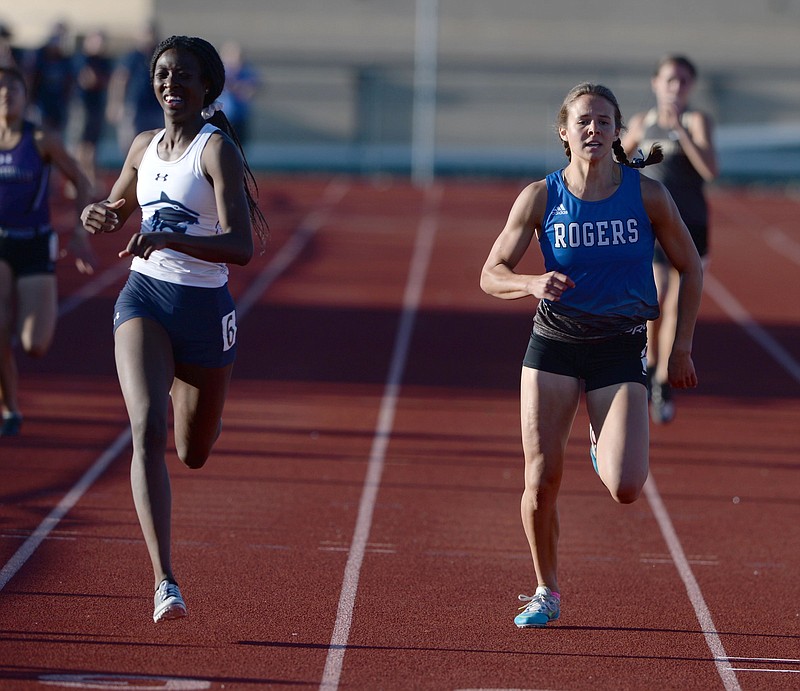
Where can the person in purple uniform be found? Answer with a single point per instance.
(596, 222)
(28, 243)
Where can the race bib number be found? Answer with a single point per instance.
(229, 331)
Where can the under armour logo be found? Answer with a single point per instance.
(163, 177)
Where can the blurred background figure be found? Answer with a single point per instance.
(10, 55)
(132, 106)
(52, 80)
(690, 161)
(28, 241)
(241, 85)
(93, 68)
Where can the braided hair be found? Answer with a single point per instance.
(655, 155)
(213, 71)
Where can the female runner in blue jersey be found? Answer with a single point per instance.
(596, 222)
(174, 321)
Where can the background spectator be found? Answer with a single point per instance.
(241, 84)
(93, 69)
(132, 106)
(52, 80)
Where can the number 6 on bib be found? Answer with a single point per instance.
(229, 330)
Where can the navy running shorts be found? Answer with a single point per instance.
(201, 322)
(29, 253)
(598, 363)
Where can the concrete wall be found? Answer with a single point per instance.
(338, 74)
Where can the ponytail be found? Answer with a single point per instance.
(655, 155)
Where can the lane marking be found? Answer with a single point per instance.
(333, 193)
(777, 660)
(126, 682)
(783, 244)
(738, 314)
(423, 248)
(93, 287)
(291, 249)
(733, 308)
(766, 661)
(71, 498)
(701, 610)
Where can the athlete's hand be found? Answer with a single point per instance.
(79, 247)
(101, 217)
(680, 370)
(144, 244)
(550, 286)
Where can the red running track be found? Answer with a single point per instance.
(358, 525)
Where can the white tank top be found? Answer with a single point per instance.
(175, 196)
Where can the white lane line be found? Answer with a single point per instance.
(701, 610)
(783, 244)
(71, 498)
(293, 246)
(125, 682)
(765, 660)
(751, 327)
(94, 287)
(420, 260)
(332, 194)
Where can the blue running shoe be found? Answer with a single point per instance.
(593, 448)
(543, 606)
(168, 603)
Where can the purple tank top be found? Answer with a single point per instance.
(24, 178)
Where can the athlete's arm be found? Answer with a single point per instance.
(52, 150)
(110, 215)
(677, 243)
(498, 277)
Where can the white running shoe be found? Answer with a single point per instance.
(168, 603)
(543, 606)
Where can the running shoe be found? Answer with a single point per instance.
(662, 408)
(168, 603)
(11, 424)
(593, 447)
(543, 606)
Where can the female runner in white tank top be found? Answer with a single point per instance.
(175, 324)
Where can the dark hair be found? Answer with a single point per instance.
(655, 155)
(213, 73)
(679, 60)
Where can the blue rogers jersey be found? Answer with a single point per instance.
(606, 247)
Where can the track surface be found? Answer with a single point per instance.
(358, 526)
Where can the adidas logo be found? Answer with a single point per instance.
(560, 210)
